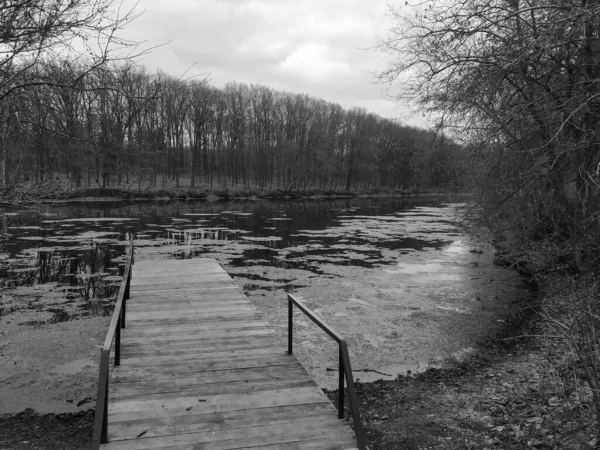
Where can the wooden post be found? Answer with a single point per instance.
(358, 430)
(118, 343)
(126, 296)
(104, 436)
(101, 419)
(123, 311)
(290, 324)
(341, 385)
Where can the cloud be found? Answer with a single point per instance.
(319, 47)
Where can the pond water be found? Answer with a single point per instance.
(400, 278)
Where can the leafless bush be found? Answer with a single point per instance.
(579, 326)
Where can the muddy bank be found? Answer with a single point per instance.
(515, 391)
(29, 429)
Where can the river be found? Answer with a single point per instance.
(401, 279)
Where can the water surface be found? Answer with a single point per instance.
(401, 279)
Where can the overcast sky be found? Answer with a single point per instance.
(319, 47)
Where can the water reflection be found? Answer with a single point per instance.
(78, 251)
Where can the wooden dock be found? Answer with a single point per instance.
(201, 369)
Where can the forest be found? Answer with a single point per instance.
(120, 126)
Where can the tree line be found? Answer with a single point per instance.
(120, 125)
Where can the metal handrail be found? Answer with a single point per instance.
(344, 364)
(100, 435)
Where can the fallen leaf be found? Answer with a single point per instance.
(534, 420)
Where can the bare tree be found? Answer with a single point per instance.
(520, 79)
(37, 33)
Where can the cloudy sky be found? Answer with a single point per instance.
(319, 47)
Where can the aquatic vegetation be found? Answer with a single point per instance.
(396, 277)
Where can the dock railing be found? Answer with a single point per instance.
(345, 370)
(100, 435)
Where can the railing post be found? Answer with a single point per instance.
(104, 435)
(101, 418)
(341, 385)
(118, 343)
(290, 324)
(125, 297)
(360, 436)
(123, 312)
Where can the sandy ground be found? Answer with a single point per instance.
(51, 368)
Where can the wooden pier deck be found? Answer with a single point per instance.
(201, 369)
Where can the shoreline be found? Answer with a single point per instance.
(128, 196)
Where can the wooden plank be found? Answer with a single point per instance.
(161, 262)
(199, 301)
(182, 307)
(177, 321)
(195, 298)
(193, 422)
(181, 320)
(164, 303)
(192, 328)
(203, 392)
(123, 373)
(224, 402)
(342, 442)
(204, 264)
(128, 375)
(207, 378)
(177, 285)
(199, 335)
(233, 312)
(182, 279)
(328, 443)
(240, 437)
(206, 344)
(175, 304)
(194, 301)
(178, 348)
(201, 357)
(158, 366)
(203, 269)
